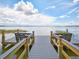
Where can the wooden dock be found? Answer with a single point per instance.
(42, 49)
(29, 46)
(19, 49)
(65, 49)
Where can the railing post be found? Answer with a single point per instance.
(27, 48)
(67, 30)
(17, 39)
(52, 37)
(60, 48)
(51, 33)
(18, 30)
(3, 37)
(3, 41)
(33, 36)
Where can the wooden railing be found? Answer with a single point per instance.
(11, 31)
(20, 49)
(5, 43)
(63, 46)
(3, 32)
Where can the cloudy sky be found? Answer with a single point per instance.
(39, 12)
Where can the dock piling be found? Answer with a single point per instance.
(3, 37)
(60, 48)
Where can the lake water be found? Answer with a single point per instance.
(46, 31)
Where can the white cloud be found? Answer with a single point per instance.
(27, 7)
(75, 1)
(63, 16)
(50, 7)
(68, 4)
(24, 14)
(40, 19)
(73, 10)
(68, 13)
(64, 23)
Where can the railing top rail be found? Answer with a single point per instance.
(69, 43)
(14, 47)
(12, 31)
(65, 41)
(56, 36)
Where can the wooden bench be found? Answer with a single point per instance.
(21, 35)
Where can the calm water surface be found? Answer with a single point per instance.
(45, 31)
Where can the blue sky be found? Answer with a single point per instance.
(61, 12)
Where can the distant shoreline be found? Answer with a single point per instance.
(40, 26)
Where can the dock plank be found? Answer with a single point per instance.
(42, 49)
(75, 57)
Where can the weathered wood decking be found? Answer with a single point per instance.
(42, 49)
